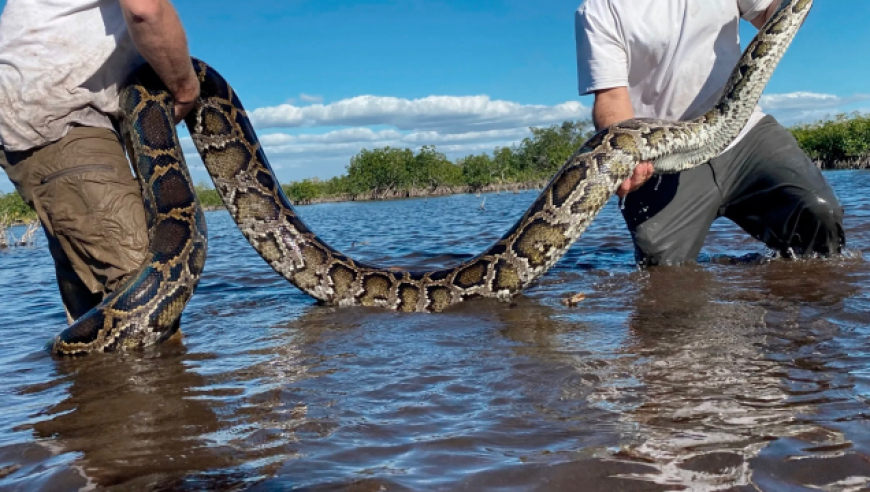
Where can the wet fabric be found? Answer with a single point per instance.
(63, 63)
(765, 184)
(90, 205)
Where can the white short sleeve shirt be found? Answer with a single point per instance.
(674, 56)
(61, 64)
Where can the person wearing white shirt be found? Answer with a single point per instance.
(62, 64)
(670, 60)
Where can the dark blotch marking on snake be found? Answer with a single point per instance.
(172, 191)
(439, 298)
(256, 205)
(537, 241)
(144, 288)
(265, 180)
(566, 183)
(409, 295)
(214, 123)
(314, 258)
(170, 238)
(376, 287)
(84, 331)
(343, 279)
(471, 275)
(232, 152)
(506, 277)
(152, 124)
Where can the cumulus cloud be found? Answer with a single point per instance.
(805, 107)
(444, 114)
(804, 101)
(365, 135)
(308, 143)
(327, 154)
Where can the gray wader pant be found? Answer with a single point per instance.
(765, 184)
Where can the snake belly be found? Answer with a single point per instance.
(576, 194)
(146, 307)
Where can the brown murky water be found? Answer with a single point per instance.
(738, 373)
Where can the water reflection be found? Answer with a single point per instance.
(134, 419)
(153, 421)
(717, 384)
(708, 396)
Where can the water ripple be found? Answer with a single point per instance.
(740, 373)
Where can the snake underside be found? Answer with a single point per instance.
(148, 305)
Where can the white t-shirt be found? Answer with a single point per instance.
(675, 56)
(61, 62)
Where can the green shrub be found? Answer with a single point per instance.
(208, 196)
(842, 138)
(13, 208)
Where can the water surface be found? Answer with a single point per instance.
(739, 373)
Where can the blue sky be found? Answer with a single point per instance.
(327, 78)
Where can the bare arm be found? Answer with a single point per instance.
(759, 21)
(158, 35)
(610, 107)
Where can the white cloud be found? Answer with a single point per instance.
(445, 114)
(804, 101)
(365, 135)
(310, 98)
(360, 134)
(456, 125)
(807, 107)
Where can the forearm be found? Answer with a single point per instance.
(610, 107)
(156, 30)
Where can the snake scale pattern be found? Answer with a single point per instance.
(146, 308)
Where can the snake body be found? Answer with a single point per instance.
(234, 158)
(146, 308)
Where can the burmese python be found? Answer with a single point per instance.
(144, 309)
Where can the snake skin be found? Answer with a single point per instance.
(145, 307)
(241, 173)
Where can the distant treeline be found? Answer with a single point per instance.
(393, 173)
(841, 142)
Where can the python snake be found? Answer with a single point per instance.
(146, 308)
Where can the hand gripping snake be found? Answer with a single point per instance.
(148, 305)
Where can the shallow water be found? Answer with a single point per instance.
(738, 373)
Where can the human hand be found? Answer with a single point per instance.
(185, 97)
(641, 175)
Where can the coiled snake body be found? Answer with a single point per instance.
(144, 310)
